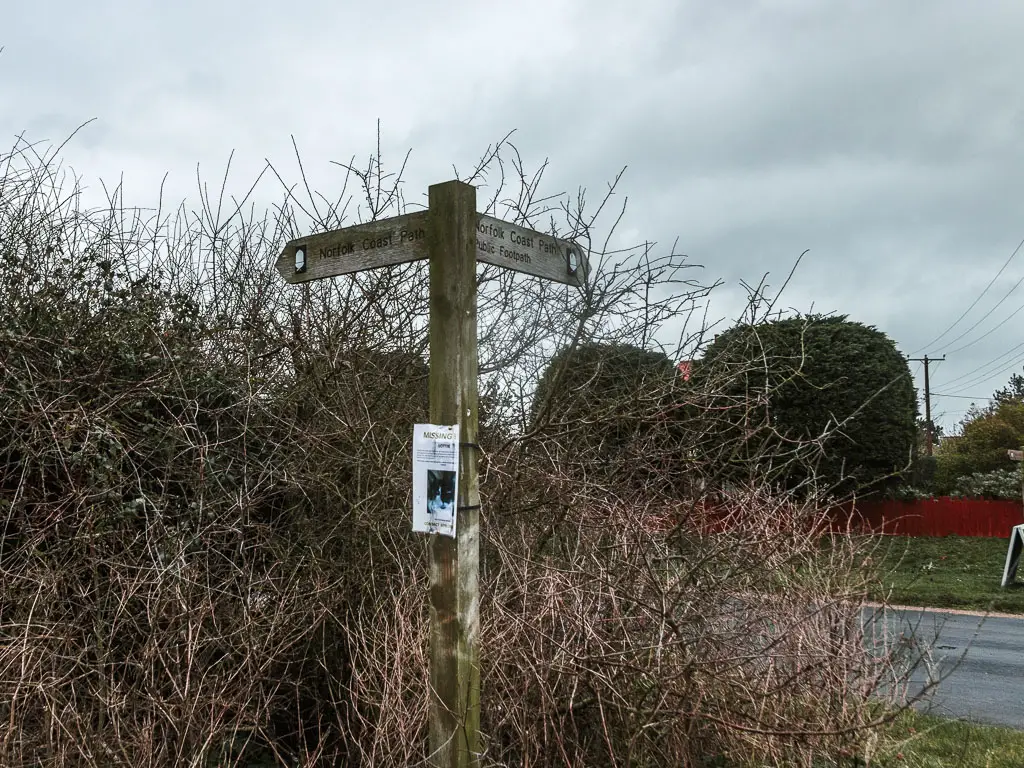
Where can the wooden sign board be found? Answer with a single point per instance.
(404, 238)
(1015, 455)
(524, 250)
(352, 249)
(1013, 555)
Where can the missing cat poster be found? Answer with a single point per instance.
(435, 478)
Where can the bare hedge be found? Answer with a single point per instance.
(205, 555)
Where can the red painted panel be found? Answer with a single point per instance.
(944, 516)
(934, 517)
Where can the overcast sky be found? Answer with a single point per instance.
(882, 135)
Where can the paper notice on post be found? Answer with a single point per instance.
(435, 478)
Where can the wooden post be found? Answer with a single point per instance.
(453, 236)
(454, 565)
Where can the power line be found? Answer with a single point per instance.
(990, 331)
(996, 371)
(975, 302)
(983, 318)
(993, 362)
(988, 376)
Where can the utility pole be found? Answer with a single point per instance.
(927, 399)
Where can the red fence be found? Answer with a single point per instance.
(936, 517)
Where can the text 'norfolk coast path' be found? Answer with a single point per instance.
(404, 238)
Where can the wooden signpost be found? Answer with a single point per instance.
(454, 237)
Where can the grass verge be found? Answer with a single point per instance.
(924, 741)
(947, 572)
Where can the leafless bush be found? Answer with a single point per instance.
(205, 555)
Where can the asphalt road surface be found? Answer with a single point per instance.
(980, 662)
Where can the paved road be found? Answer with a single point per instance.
(983, 658)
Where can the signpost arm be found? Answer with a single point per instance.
(454, 719)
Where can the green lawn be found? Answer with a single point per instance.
(914, 740)
(922, 741)
(947, 572)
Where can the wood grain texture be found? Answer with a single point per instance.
(526, 250)
(376, 244)
(404, 238)
(454, 718)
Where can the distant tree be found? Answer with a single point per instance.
(835, 386)
(986, 433)
(1014, 390)
(923, 471)
(937, 433)
(597, 398)
(997, 484)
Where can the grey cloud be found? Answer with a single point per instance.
(882, 136)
